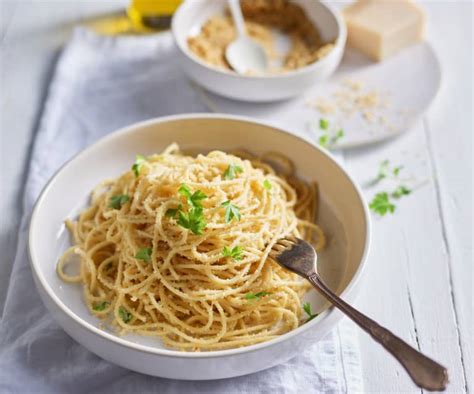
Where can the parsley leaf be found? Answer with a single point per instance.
(144, 254)
(232, 171)
(173, 212)
(383, 170)
(381, 204)
(338, 136)
(124, 314)
(117, 201)
(100, 306)
(192, 220)
(401, 191)
(231, 211)
(323, 124)
(256, 296)
(307, 309)
(396, 170)
(235, 252)
(324, 140)
(139, 160)
(267, 185)
(194, 199)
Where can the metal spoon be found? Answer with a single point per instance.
(300, 257)
(244, 54)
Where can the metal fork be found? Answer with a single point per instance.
(300, 257)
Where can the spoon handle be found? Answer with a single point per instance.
(425, 372)
(236, 12)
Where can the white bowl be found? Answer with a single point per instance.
(191, 15)
(343, 215)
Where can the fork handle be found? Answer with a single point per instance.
(425, 372)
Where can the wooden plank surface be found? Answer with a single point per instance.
(419, 278)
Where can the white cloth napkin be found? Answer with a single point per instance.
(101, 84)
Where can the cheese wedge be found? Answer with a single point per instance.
(381, 28)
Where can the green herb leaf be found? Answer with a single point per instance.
(396, 170)
(307, 309)
(323, 124)
(384, 169)
(232, 171)
(256, 296)
(401, 191)
(231, 211)
(235, 252)
(185, 191)
(124, 314)
(144, 254)
(117, 201)
(267, 185)
(100, 306)
(381, 204)
(194, 199)
(323, 141)
(339, 134)
(197, 197)
(136, 167)
(173, 212)
(192, 220)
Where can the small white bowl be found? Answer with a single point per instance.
(342, 214)
(191, 15)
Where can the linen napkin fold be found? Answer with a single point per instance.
(101, 84)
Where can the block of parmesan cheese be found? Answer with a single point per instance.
(381, 28)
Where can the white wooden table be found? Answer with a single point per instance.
(419, 277)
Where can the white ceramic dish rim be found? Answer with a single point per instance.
(340, 40)
(176, 353)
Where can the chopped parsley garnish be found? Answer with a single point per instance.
(117, 201)
(136, 167)
(381, 204)
(192, 220)
(256, 296)
(194, 199)
(232, 171)
(144, 254)
(324, 140)
(384, 170)
(124, 314)
(100, 306)
(231, 211)
(328, 138)
(235, 252)
(323, 124)
(401, 191)
(338, 136)
(173, 212)
(267, 185)
(396, 170)
(307, 309)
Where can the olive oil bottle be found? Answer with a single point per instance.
(152, 14)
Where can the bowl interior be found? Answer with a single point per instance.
(192, 15)
(341, 214)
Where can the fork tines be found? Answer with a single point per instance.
(282, 245)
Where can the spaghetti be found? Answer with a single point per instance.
(178, 248)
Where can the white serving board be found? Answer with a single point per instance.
(407, 82)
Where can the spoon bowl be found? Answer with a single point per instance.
(245, 56)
